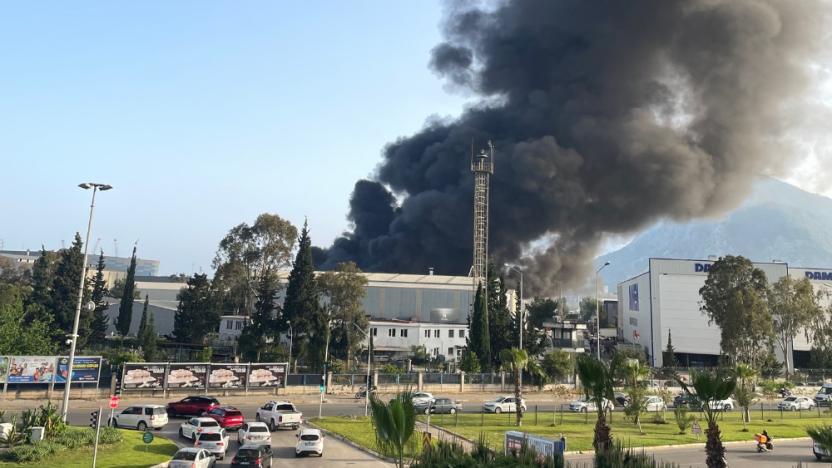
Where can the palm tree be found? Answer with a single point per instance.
(515, 361)
(394, 423)
(708, 388)
(821, 435)
(745, 392)
(634, 373)
(597, 380)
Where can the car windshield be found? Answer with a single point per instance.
(255, 428)
(790, 399)
(209, 424)
(287, 407)
(184, 455)
(500, 399)
(248, 454)
(309, 437)
(211, 437)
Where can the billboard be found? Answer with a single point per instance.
(31, 369)
(188, 375)
(4, 368)
(514, 442)
(267, 375)
(85, 369)
(144, 375)
(228, 376)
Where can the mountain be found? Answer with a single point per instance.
(778, 221)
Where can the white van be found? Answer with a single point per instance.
(824, 395)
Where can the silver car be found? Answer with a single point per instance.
(192, 458)
(214, 442)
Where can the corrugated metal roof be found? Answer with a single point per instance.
(463, 281)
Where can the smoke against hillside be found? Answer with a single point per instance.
(605, 115)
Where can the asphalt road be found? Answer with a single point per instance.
(786, 454)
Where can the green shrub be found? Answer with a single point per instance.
(619, 457)
(31, 453)
(683, 419)
(109, 435)
(74, 438)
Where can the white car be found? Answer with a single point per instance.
(310, 441)
(194, 426)
(794, 403)
(584, 405)
(654, 404)
(254, 433)
(192, 458)
(723, 405)
(141, 417)
(503, 404)
(824, 395)
(214, 442)
(279, 414)
(819, 452)
(422, 398)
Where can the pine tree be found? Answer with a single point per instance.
(64, 293)
(480, 340)
(100, 321)
(501, 330)
(302, 303)
(670, 352)
(197, 313)
(263, 320)
(125, 308)
(147, 331)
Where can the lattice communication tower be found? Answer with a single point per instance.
(482, 165)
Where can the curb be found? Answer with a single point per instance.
(351, 443)
(693, 445)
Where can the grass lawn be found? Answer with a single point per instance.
(360, 430)
(129, 453)
(578, 429)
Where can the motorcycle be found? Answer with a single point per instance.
(362, 392)
(764, 442)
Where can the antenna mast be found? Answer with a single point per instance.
(482, 165)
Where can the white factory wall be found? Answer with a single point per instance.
(435, 337)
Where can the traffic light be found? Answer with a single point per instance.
(117, 390)
(94, 419)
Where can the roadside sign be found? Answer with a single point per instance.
(114, 402)
(426, 440)
(147, 437)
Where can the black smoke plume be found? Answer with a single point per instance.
(606, 116)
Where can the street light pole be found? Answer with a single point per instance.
(74, 337)
(598, 310)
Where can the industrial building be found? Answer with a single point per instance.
(115, 266)
(665, 299)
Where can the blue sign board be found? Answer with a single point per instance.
(634, 296)
(84, 369)
(819, 275)
(702, 267)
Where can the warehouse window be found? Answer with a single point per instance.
(633, 321)
(375, 330)
(461, 332)
(450, 332)
(403, 330)
(450, 350)
(239, 322)
(228, 325)
(427, 332)
(391, 332)
(435, 332)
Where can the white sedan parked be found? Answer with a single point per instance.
(723, 405)
(503, 404)
(794, 403)
(194, 426)
(310, 441)
(585, 405)
(423, 398)
(254, 433)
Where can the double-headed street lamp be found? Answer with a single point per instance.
(74, 336)
(598, 309)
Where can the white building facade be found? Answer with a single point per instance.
(396, 338)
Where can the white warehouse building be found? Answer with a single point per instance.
(665, 299)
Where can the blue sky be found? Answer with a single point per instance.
(202, 115)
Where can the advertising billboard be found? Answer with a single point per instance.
(31, 369)
(267, 375)
(543, 447)
(188, 375)
(228, 376)
(144, 375)
(4, 368)
(85, 369)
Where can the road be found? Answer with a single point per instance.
(786, 454)
(336, 453)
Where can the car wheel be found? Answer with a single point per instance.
(728, 407)
(256, 416)
(818, 456)
(273, 426)
(584, 409)
(427, 411)
(498, 410)
(453, 410)
(142, 426)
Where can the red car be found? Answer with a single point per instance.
(228, 417)
(192, 406)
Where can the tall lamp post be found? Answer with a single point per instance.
(598, 309)
(74, 336)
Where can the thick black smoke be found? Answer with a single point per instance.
(605, 115)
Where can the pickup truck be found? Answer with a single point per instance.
(279, 414)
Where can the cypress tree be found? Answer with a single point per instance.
(480, 341)
(302, 304)
(670, 352)
(197, 313)
(147, 331)
(64, 293)
(143, 322)
(501, 331)
(43, 277)
(98, 327)
(125, 308)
